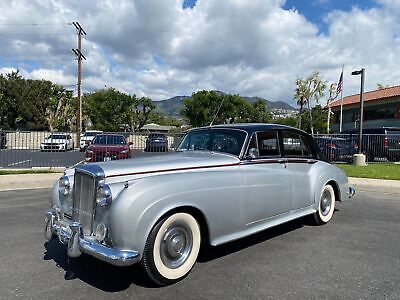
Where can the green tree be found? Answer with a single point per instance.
(318, 117)
(206, 107)
(259, 113)
(110, 109)
(10, 89)
(288, 121)
(33, 104)
(140, 110)
(308, 89)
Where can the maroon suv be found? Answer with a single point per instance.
(106, 147)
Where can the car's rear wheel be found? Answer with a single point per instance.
(326, 206)
(172, 248)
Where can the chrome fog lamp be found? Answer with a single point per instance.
(101, 232)
(104, 195)
(64, 185)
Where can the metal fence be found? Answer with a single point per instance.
(20, 149)
(378, 148)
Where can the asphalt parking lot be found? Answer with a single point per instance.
(356, 256)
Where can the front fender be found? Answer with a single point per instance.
(138, 207)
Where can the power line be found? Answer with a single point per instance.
(35, 34)
(35, 24)
(34, 60)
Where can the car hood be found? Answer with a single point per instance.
(175, 161)
(105, 148)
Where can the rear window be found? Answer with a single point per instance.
(397, 132)
(109, 140)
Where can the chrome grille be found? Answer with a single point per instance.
(84, 201)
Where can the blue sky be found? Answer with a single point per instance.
(165, 48)
(316, 10)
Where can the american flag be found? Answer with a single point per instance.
(340, 83)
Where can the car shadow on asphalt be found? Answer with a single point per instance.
(110, 278)
(101, 275)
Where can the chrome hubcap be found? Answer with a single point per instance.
(326, 203)
(176, 246)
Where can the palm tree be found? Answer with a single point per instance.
(311, 88)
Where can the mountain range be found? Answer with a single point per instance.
(172, 106)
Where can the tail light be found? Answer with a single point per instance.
(386, 142)
(331, 145)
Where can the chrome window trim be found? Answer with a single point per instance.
(263, 157)
(245, 141)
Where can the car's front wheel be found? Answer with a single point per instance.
(326, 206)
(172, 248)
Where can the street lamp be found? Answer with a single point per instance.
(362, 72)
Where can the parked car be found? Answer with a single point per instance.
(87, 138)
(106, 147)
(383, 142)
(156, 142)
(57, 141)
(337, 148)
(223, 183)
(3, 139)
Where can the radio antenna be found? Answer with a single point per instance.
(216, 114)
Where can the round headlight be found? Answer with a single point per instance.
(103, 196)
(101, 232)
(64, 186)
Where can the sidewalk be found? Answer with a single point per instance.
(375, 185)
(39, 181)
(28, 181)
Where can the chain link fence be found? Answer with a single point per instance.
(20, 149)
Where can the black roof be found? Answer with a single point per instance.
(251, 127)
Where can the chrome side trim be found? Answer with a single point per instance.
(72, 235)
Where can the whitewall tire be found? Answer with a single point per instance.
(326, 206)
(172, 248)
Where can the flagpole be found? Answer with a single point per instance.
(341, 104)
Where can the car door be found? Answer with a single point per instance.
(268, 187)
(300, 161)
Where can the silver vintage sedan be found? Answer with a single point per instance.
(223, 183)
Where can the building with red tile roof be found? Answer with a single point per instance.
(381, 109)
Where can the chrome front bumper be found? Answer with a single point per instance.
(72, 234)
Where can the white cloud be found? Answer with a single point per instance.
(157, 49)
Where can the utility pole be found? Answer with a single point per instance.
(79, 55)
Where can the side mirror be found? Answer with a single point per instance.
(130, 143)
(253, 153)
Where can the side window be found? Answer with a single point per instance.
(295, 145)
(264, 144)
(268, 144)
(252, 150)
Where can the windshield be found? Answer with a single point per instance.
(109, 140)
(57, 137)
(91, 133)
(217, 140)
